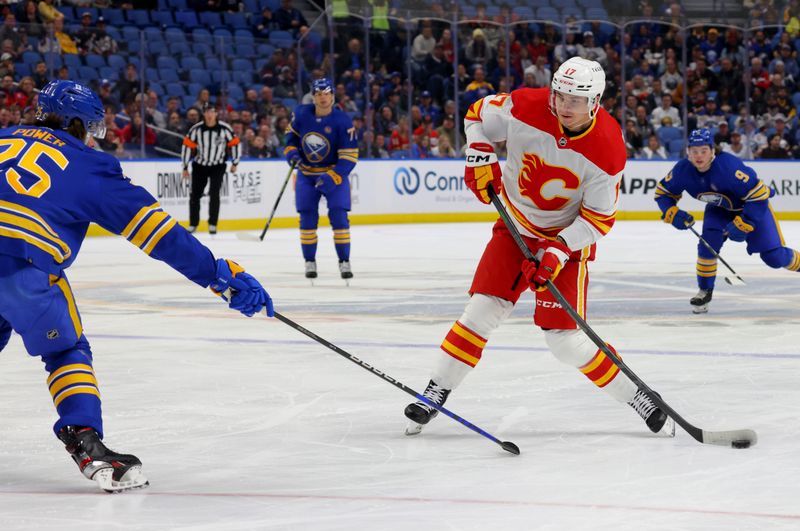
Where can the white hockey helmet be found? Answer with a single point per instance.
(579, 77)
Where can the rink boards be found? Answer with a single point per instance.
(413, 191)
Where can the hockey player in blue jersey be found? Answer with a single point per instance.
(737, 209)
(321, 140)
(51, 187)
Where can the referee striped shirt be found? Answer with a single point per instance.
(210, 145)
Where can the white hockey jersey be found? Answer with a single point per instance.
(553, 184)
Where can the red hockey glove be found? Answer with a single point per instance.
(482, 169)
(555, 255)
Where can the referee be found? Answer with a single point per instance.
(209, 142)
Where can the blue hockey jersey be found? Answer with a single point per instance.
(52, 186)
(325, 143)
(727, 184)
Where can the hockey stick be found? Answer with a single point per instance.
(505, 445)
(734, 438)
(252, 237)
(736, 280)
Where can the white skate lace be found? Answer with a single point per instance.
(434, 393)
(642, 404)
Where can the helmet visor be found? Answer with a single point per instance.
(96, 128)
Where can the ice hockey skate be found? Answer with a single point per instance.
(346, 271)
(311, 269)
(420, 413)
(656, 420)
(700, 301)
(113, 472)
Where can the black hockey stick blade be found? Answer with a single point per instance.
(732, 438)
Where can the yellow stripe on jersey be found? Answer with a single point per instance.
(662, 191)
(126, 232)
(38, 231)
(146, 229)
(63, 285)
(311, 170)
(72, 378)
(759, 192)
(157, 235)
(27, 212)
(52, 250)
(794, 265)
(601, 222)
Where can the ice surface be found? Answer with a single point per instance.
(247, 424)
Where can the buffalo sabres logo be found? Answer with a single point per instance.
(316, 147)
(562, 141)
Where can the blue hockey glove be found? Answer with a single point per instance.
(680, 219)
(738, 229)
(248, 296)
(327, 182)
(293, 158)
(5, 333)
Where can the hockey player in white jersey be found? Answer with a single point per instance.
(560, 183)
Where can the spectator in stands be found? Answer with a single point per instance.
(9, 30)
(540, 72)
(443, 149)
(446, 42)
(132, 133)
(385, 121)
(152, 112)
(593, 51)
(5, 117)
(723, 134)
(478, 88)
(285, 87)
(633, 140)
(420, 147)
(737, 147)
(103, 43)
(129, 86)
(447, 129)
(266, 103)
(351, 59)
(399, 140)
(192, 117)
(29, 18)
(437, 71)
(85, 34)
(665, 110)
(774, 149)
(569, 48)
(7, 64)
(281, 126)
(710, 116)
(787, 139)
(25, 94)
(266, 24)
(759, 75)
(478, 50)
(48, 12)
(653, 150)
(40, 76)
(427, 107)
(174, 141)
(105, 95)
(112, 143)
(289, 18)
(423, 43)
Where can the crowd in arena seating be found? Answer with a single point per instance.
(406, 102)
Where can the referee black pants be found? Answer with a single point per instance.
(200, 177)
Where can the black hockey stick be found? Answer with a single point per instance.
(734, 438)
(736, 280)
(505, 445)
(251, 237)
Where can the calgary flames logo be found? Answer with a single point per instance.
(536, 174)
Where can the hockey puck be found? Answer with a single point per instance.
(740, 444)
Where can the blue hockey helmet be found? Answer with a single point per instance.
(322, 84)
(701, 137)
(70, 100)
